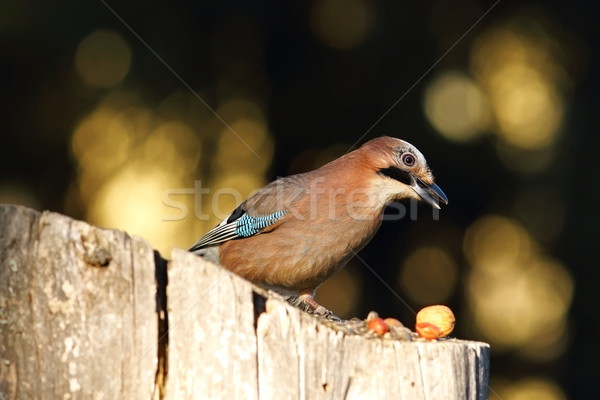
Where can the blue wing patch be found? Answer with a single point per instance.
(247, 226)
(238, 225)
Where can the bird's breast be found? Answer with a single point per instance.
(307, 247)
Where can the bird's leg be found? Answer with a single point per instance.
(306, 302)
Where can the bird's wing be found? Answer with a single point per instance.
(265, 208)
(238, 225)
(280, 194)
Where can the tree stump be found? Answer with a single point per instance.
(90, 313)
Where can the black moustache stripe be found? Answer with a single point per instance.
(397, 174)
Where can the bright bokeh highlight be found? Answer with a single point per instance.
(518, 296)
(515, 88)
(456, 107)
(137, 168)
(523, 79)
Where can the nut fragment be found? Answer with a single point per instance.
(378, 326)
(427, 331)
(439, 316)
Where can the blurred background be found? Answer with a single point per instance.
(141, 116)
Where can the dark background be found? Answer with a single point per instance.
(317, 98)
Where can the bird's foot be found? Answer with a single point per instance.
(308, 304)
(323, 312)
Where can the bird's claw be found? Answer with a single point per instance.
(309, 305)
(329, 316)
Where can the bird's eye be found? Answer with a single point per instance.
(408, 159)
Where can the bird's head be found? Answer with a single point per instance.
(402, 172)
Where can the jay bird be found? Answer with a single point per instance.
(297, 231)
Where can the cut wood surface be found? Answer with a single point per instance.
(90, 313)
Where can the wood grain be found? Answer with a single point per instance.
(69, 328)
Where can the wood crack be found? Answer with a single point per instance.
(162, 369)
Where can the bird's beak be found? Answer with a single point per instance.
(430, 194)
